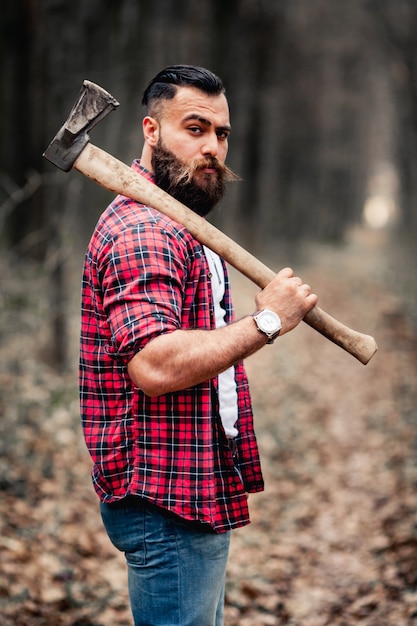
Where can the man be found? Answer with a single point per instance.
(164, 398)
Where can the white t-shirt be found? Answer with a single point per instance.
(227, 384)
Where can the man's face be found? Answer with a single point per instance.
(188, 158)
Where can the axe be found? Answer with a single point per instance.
(71, 148)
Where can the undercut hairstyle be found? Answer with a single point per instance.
(164, 85)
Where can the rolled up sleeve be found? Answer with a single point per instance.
(143, 285)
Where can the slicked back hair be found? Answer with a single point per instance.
(164, 85)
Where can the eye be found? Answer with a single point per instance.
(195, 130)
(223, 134)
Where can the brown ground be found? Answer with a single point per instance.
(333, 539)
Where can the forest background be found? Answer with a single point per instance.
(323, 97)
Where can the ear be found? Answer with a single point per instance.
(150, 128)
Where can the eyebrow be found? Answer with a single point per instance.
(203, 120)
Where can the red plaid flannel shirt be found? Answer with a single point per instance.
(144, 275)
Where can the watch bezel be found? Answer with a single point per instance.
(257, 316)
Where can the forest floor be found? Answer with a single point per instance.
(334, 538)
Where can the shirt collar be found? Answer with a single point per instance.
(142, 170)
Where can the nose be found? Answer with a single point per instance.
(210, 146)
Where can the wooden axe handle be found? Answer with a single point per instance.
(119, 178)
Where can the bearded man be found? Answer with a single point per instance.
(165, 405)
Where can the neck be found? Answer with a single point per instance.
(146, 158)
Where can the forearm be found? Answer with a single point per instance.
(184, 358)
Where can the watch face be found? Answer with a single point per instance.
(269, 322)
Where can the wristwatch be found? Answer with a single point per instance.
(268, 323)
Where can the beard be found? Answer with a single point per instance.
(188, 182)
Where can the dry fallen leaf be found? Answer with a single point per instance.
(333, 536)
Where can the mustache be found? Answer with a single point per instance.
(186, 172)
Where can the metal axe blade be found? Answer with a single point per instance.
(92, 105)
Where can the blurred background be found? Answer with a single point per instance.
(323, 99)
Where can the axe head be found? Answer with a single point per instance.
(92, 105)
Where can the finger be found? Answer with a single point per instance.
(287, 272)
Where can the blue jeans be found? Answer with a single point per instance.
(176, 570)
